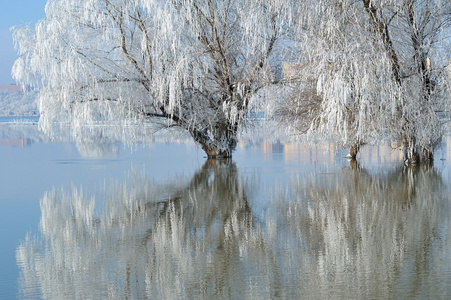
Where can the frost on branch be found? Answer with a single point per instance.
(375, 70)
(194, 63)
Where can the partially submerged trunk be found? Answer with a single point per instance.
(411, 153)
(218, 143)
(427, 155)
(214, 152)
(411, 157)
(354, 150)
(414, 154)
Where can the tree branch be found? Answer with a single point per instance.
(382, 29)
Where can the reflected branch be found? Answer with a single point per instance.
(151, 237)
(368, 231)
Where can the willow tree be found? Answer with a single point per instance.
(376, 70)
(194, 63)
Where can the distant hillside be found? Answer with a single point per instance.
(18, 104)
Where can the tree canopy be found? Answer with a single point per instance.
(356, 72)
(375, 70)
(194, 63)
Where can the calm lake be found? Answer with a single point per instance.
(97, 219)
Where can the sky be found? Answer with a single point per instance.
(15, 12)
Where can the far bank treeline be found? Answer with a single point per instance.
(355, 72)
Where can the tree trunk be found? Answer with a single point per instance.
(411, 153)
(218, 143)
(354, 150)
(427, 154)
(215, 153)
(411, 157)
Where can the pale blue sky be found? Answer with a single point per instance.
(15, 12)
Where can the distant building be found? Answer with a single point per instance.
(291, 70)
(11, 88)
(16, 142)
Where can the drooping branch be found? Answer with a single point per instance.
(381, 28)
(196, 63)
(421, 60)
(123, 37)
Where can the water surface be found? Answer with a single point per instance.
(159, 221)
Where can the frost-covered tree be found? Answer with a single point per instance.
(12, 104)
(194, 63)
(375, 70)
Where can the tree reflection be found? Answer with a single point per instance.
(97, 146)
(352, 234)
(371, 236)
(151, 241)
